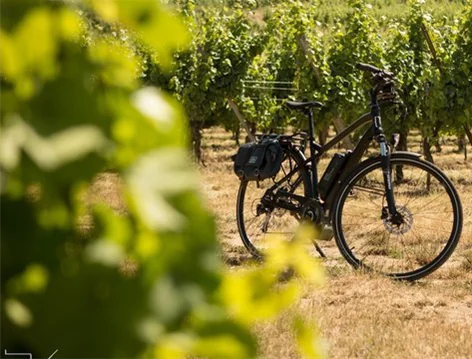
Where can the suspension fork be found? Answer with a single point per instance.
(384, 156)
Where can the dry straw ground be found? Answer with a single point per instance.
(359, 315)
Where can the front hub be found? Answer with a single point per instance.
(399, 223)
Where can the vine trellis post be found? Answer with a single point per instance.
(467, 130)
(241, 119)
(337, 121)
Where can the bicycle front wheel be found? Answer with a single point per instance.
(431, 218)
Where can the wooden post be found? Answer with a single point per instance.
(339, 125)
(468, 133)
(337, 121)
(431, 48)
(438, 65)
(241, 119)
(303, 42)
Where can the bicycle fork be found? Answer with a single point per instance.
(385, 163)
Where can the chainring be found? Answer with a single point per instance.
(312, 211)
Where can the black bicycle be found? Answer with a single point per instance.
(394, 213)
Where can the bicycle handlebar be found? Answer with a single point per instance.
(374, 70)
(367, 67)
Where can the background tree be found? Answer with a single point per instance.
(210, 70)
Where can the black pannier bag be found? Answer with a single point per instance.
(256, 161)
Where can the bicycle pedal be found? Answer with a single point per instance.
(326, 234)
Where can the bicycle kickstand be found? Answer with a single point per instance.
(319, 250)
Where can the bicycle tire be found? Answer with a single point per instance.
(351, 253)
(242, 203)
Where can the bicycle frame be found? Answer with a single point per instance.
(375, 131)
(353, 159)
(301, 196)
(317, 151)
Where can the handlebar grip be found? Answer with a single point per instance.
(366, 67)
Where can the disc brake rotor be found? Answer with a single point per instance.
(402, 228)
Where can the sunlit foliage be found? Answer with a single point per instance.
(72, 106)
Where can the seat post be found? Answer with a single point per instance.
(311, 139)
(311, 131)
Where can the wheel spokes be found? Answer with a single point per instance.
(426, 224)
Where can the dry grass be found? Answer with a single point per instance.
(360, 315)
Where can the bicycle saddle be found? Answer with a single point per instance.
(294, 105)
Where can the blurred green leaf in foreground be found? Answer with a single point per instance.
(72, 106)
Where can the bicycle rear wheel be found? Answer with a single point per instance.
(256, 222)
(431, 215)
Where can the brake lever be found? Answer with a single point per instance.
(388, 74)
